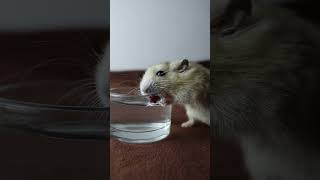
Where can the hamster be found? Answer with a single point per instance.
(265, 89)
(180, 82)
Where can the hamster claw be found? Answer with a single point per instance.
(189, 123)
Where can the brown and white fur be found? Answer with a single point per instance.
(182, 82)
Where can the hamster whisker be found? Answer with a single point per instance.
(47, 63)
(75, 89)
(120, 84)
(86, 85)
(87, 80)
(93, 101)
(91, 93)
(161, 84)
(133, 90)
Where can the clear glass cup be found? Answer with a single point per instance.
(47, 108)
(133, 119)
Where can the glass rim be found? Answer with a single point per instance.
(44, 106)
(130, 99)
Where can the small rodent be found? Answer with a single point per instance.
(180, 82)
(265, 88)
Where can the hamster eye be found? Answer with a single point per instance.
(161, 73)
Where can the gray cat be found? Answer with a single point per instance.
(265, 88)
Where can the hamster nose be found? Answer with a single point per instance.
(145, 90)
(148, 89)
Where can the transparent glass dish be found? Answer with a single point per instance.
(133, 119)
(44, 107)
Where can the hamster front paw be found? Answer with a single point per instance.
(189, 123)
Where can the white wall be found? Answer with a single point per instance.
(35, 15)
(146, 32)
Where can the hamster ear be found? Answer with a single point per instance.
(184, 64)
(227, 16)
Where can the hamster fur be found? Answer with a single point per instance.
(265, 91)
(185, 82)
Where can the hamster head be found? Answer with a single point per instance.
(176, 80)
